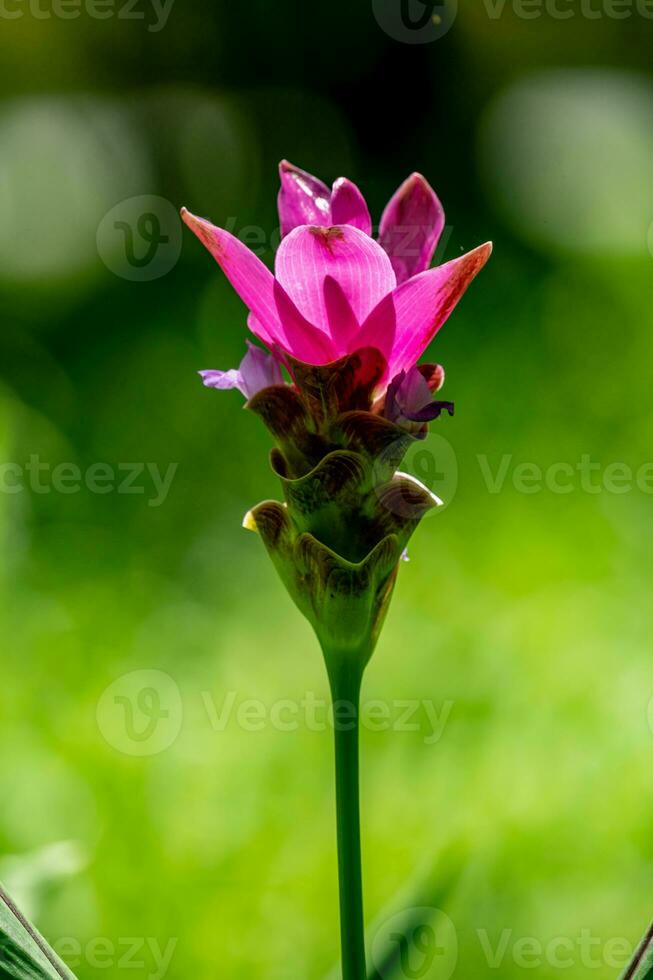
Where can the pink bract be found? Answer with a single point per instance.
(335, 289)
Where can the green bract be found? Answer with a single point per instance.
(347, 514)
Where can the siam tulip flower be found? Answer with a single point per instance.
(349, 317)
(335, 289)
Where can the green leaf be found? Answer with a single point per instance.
(24, 954)
(641, 968)
(412, 914)
(415, 906)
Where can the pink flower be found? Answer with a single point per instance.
(335, 289)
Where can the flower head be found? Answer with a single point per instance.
(349, 316)
(335, 289)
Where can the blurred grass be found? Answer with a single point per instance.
(529, 614)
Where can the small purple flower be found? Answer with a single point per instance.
(256, 371)
(409, 397)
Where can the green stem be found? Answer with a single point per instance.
(345, 676)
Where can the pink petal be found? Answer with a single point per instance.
(378, 330)
(304, 341)
(259, 331)
(342, 322)
(275, 319)
(425, 302)
(303, 199)
(360, 267)
(348, 206)
(411, 226)
(250, 277)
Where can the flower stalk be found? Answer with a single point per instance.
(347, 316)
(336, 542)
(345, 692)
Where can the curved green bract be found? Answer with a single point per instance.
(347, 514)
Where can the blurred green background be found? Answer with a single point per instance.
(523, 618)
